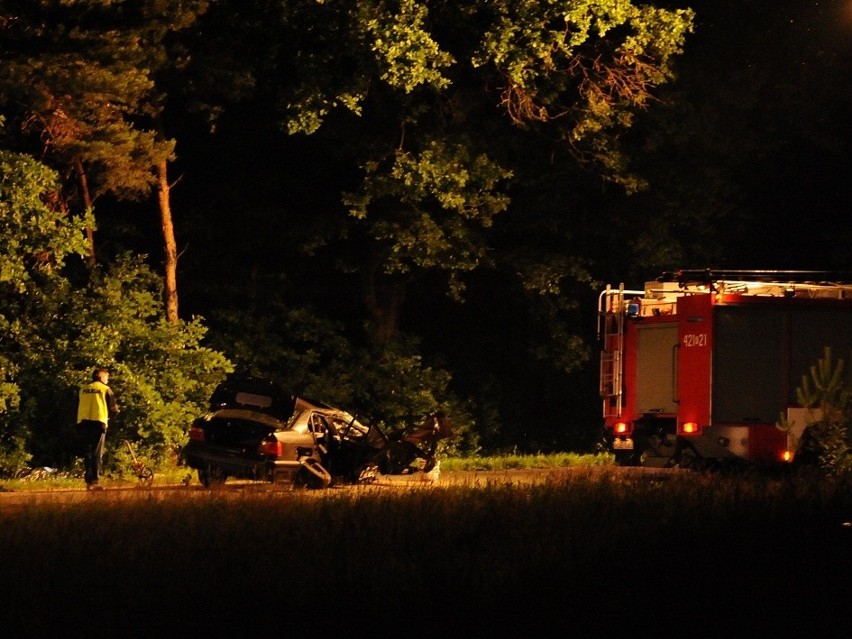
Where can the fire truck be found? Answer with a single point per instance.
(701, 367)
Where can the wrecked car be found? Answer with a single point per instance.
(255, 430)
(404, 448)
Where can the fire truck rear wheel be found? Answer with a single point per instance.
(689, 459)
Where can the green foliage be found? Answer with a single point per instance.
(54, 333)
(552, 284)
(446, 108)
(826, 388)
(425, 211)
(13, 446)
(35, 240)
(83, 75)
(596, 61)
(306, 353)
(828, 439)
(34, 237)
(319, 65)
(526, 462)
(407, 54)
(440, 162)
(161, 372)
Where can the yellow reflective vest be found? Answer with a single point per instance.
(96, 400)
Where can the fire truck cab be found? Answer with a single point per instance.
(699, 367)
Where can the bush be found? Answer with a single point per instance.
(827, 443)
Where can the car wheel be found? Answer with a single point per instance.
(211, 477)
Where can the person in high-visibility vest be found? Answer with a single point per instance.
(97, 404)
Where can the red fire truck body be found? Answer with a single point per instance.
(699, 368)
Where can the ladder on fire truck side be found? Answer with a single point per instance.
(611, 314)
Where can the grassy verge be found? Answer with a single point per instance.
(526, 462)
(62, 481)
(58, 481)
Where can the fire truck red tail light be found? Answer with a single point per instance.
(622, 428)
(689, 428)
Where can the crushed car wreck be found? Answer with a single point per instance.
(256, 430)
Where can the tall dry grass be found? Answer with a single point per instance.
(588, 555)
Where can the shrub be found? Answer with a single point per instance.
(826, 443)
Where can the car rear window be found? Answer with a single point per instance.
(268, 421)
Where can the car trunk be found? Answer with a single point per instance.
(235, 433)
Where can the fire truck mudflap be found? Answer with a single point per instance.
(698, 367)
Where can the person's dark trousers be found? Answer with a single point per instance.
(91, 438)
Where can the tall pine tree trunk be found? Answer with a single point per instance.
(169, 244)
(87, 201)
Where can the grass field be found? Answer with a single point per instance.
(591, 554)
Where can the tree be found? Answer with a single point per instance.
(83, 77)
(827, 441)
(35, 240)
(432, 207)
(423, 81)
(72, 76)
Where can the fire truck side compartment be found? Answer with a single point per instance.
(762, 353)
(749, 365)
